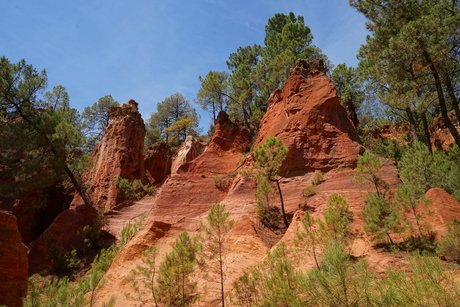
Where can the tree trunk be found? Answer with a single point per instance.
(450, 90)
(413, 126)
(427, 132)
(442, 101)
(282, 203)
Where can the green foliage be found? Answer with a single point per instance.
(381, 218)
(428, 284)
(318, 178)
(337, 218)
(369, 170)
(350, 89)
(424, 171)
(37, 134)
(130, 229)
(215, 231)
(309, 191)
(96, 119)
(338, 282)
(419, 230)
(174, 285)
(449, 246)
(275, 282)
(310, 239)
(223, 182)
(411, 57)
(174, 108)
(213, 95)
(132, 190)
(268, 159)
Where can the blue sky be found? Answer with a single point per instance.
(150, 49)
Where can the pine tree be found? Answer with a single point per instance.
(215, 231)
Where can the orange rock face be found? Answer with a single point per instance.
(191, 191)
(157, 162)
(445, 208)
(13, 263)
(307, 116)
(119, 153)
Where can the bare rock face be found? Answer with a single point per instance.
(191, 190)
(64, 234)
(157, 162)
(13, 263)
(307, 116)
(119, 153)
(188, 151)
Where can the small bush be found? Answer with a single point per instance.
(309, 191)
(223, 182)
(317, 179)
(133, 190)
(130, 229)
(449, 246)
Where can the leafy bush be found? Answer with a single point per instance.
(133, 190)
(130, 229)
(317, 179)
(449, 246)
(309, 191)
(223, 182)
(424, 171)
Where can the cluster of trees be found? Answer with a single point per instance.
(43, 140)
(410, 61)
(174, 119)
(256, 71)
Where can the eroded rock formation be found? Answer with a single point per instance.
(188, 151)
(13, 263)
(307, 116)
(157, 162)
(119, 153)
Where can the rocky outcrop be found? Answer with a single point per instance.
(157, 162)
(307, 116)
(13, 263)
(444, 208)
(119, 153)
(188, 151)
(191, 190)
(63, 235)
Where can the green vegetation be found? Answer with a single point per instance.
(130, 229)
(256, 71)
(175, 287)
(317, 179)
(269, 157)
(174, 120)
(215, 231)
(132, 190)
(95, 120)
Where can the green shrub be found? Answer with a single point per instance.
(449, 246)
(223, 182)
(317, 179)
(132, 190)
(309, 191)
(130, 229)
